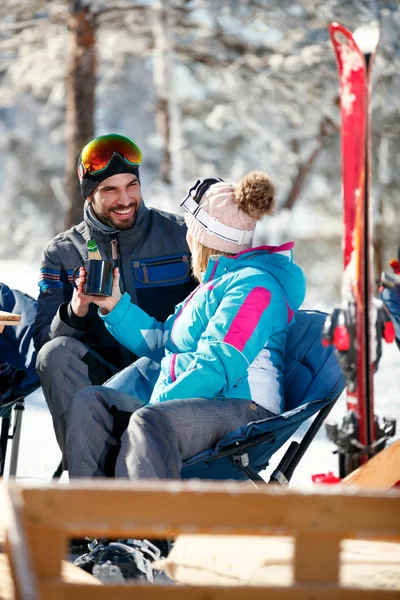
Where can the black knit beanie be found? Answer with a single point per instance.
(117, 165)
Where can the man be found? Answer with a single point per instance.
(74, 348)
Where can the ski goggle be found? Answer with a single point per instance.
(97, 154)
(191, 203)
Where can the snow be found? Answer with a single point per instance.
(39, 453)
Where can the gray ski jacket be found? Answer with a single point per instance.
(154, 263)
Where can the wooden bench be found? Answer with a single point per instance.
(8, 319)
(42, 518)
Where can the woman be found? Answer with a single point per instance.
(224, 345)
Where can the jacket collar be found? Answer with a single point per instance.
(220, 264)
(130, 236)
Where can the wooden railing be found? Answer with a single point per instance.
(41, 519)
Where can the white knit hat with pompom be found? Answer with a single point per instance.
(240, 205)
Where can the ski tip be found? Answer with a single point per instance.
(339, 34)
(335, 26)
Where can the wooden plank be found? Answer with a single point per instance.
(3, 513)
(7, 318)
(142, 508)
(72, 574)
(69, 574)
(316, 558)
(240, 560)
(25, 581)
(381, 472)
(48, 548)
(52, 591)
(6, 582)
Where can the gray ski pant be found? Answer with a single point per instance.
(65, 366)
(113, 433)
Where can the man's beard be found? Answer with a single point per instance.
(107, 217)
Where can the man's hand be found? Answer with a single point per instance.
(106, 303)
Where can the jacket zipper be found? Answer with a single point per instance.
(189, 298)
(114, 236)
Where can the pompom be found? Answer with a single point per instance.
(255, 194)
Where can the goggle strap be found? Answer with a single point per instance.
(241, 237)
(202, 186)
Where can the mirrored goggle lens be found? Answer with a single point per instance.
(97, 155)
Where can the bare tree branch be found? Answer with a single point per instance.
(325, 128)
(119, 8)
(21, 25)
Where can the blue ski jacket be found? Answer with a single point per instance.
(154, 263)
(391, 299)
(228, 337)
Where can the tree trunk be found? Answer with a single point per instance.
(80, 103)
(167, 117)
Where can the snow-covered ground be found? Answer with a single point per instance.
(39, 453)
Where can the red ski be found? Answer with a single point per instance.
(352, 328)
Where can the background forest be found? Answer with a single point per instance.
(214, 87)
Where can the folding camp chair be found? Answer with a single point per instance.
(313, 382)
(18, 354)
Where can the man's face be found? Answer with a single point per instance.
(116, 200)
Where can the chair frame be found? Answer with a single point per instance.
(237, 451)
(13, 401)
(284, 471)
(17, 405)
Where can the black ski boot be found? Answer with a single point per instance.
(123, 559)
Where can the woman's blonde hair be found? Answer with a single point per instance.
(200, 256)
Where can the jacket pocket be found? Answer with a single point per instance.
(164, 271)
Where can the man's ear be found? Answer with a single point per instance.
(90, 198)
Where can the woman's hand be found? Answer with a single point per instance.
(79, 301)
(106, 303)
